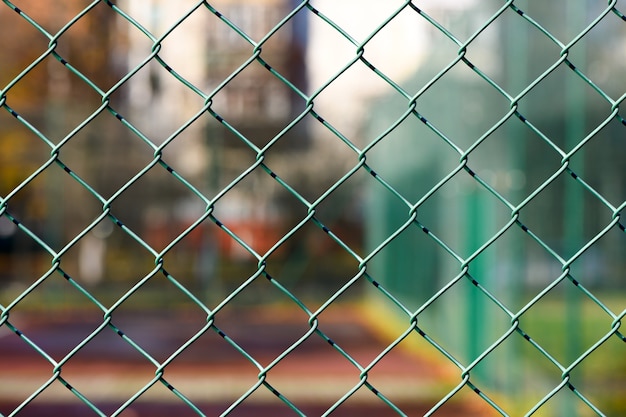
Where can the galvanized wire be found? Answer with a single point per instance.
(359, 164)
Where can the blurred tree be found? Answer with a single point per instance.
(49, 97)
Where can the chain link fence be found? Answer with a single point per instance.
(462, 195)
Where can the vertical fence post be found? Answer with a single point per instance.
(574, 213)
(478, 215)
(516, 67)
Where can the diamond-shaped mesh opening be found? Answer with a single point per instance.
(553, 121)
(537, 368)
(264, 340)
(19, 380)
(498, 269)
(333, 113)
(15, 63)
(238, 212)
(90, 64)
(148, 188)
(587, 376)
(37, 204)
(224, 167)
(447, 106)
(149, 88)
(400, 373)
(305, 273)
(88, 371)
(224, 375)
(550, 325)
(549, 203)
(414, 146)
(26, 153)
(450, 341)
(320, 385)
(411, 280)
(502, 177)
(124, 262)
(341, 210)
(480, 56)
(257, 91)
(591, 267)
(140, 308)
(377, 54)
(342, 49)
(37, 78)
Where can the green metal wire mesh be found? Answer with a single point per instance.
(567, 174)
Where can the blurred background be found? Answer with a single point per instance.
(155, 109)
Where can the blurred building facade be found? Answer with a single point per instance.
(205, 50)
(199, 48)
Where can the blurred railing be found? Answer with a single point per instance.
(42, 225)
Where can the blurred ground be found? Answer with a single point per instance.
(211, 372)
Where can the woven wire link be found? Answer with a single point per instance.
(359, 164)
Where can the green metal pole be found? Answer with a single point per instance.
(479, 214)
(574, 215)
(516, 47)
(474, 312)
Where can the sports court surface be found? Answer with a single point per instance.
(212, 373)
